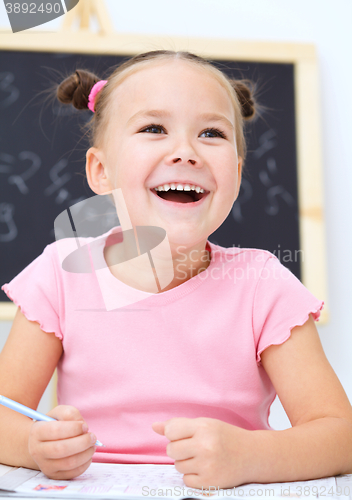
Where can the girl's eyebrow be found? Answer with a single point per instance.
(146, 113)
(159, 113)
(214, 117)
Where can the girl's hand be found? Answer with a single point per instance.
(62, 449)
(210, 453)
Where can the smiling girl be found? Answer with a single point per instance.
(188, 376)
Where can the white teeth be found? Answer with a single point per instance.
(179, 187)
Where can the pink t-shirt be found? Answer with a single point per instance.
(192, 351)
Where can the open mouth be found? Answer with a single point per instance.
(180, 196)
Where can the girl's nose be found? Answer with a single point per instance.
(186, 157)
(183, 153)
(175, 160)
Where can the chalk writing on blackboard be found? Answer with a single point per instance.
(11, 167)
(6, 217)
(6, 80)
(274, 190)
(267, 141)
(8, 160)
(58, 182)
(19, 179)
(245, 195)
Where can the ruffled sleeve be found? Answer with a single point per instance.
(281, 302)
(35, 291)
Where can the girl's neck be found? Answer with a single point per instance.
(138, 273)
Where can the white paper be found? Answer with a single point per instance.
(153, 482)
(4, 469)
(12, 480)
(315, 488)
(344, 486)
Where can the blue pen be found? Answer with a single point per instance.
(35, 415)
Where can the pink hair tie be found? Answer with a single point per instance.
(95, 89)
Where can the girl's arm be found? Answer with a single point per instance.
(319, 444)
(62, 449)
(27, 363)
(211, 453)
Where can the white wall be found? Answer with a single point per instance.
(327, 25)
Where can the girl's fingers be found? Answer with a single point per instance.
(52, 431)
(180, 428)
(72, 462)
(69, 474)
(64, 448)
(65, 412)
(182, 449)
(186, 466)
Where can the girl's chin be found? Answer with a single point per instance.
(182, 232)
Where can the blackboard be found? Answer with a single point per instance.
(42, 159)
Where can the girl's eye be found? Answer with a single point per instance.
(220, 133)
(153, 127)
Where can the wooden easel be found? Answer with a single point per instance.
(84, 11)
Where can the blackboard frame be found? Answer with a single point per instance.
(307, 115)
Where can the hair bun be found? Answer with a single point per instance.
(244, 91)
(76, 88)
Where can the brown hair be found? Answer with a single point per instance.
(76, 88)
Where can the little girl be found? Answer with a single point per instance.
(170, 369)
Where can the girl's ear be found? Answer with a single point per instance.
(96, 170)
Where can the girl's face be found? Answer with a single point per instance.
(161, 131)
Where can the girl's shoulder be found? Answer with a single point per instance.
(73, 254)
(238, 256)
